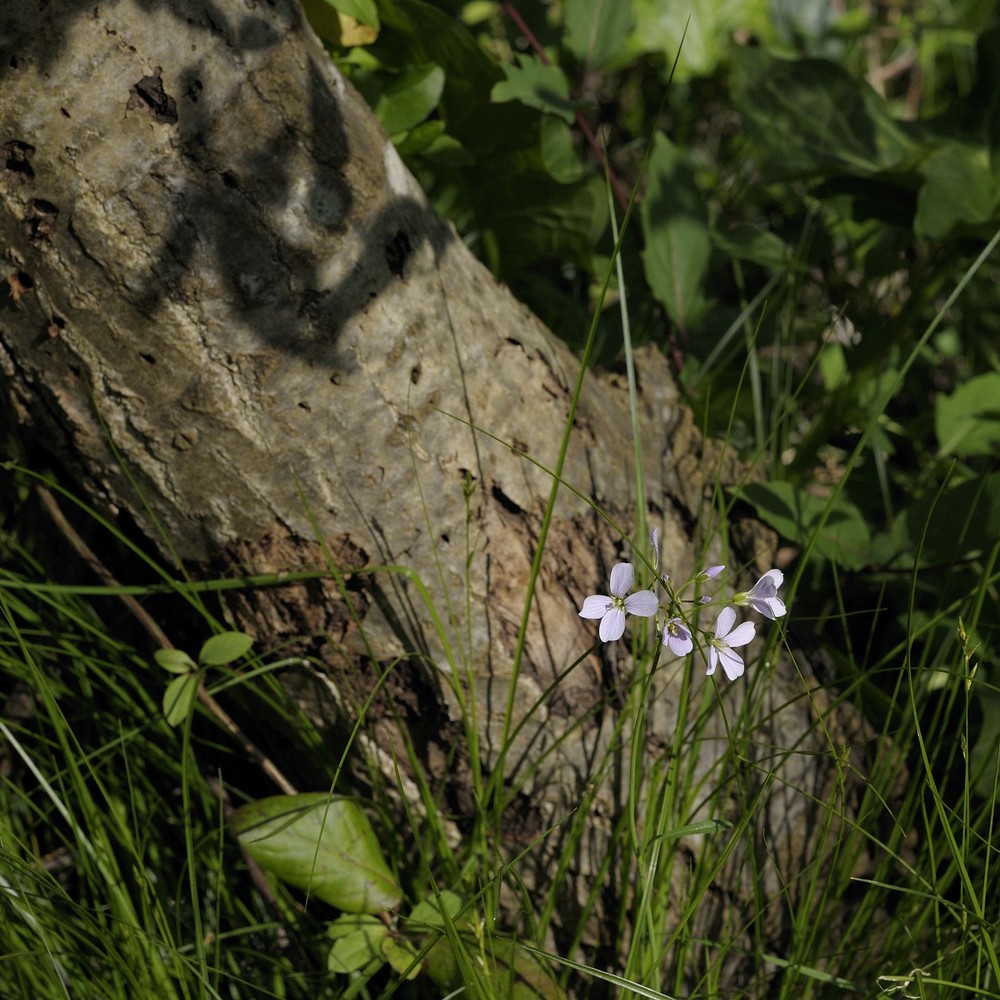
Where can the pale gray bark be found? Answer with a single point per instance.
(234, 315)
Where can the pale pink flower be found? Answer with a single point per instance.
(612, 610)
(677, 637)
(763, 595)
(720, 648)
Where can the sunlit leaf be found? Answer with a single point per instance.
(322, 844)
(959, 190)
(410, 98)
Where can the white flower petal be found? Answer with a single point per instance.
(621, 579)
(612, 625)
(643, 603)
(732, 664)
(713, 660)
(595, 607)
(725, 621)
(741, 635)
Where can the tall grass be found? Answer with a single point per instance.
(120, 879)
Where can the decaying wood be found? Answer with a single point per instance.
(234, 316)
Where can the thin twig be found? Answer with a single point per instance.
(159, 637)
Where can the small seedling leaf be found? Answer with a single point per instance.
(176, 661)
(322, 844)
(179, 697)
(224, 648)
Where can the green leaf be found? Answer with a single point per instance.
(968, 421)
(439, 911)
(596, 29)
(794, 513)
(559, 155)
(179, 698)
(706, 26)
(224, 648)
(357, 940)
(811, 118)
(364, 11)
(536, 85)
(959, 190)
(322, 844)
(675, 230)
(410, 98)
(175, 660)
(401, 955)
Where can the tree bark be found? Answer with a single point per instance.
(234, 316)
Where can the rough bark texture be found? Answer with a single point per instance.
(230, 308)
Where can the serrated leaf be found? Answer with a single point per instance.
(224, 648)
(795, 514)
(968, 421)
(675, 229)
(176, 661)
(357, 939)
(322, 844)
(410, 97)
(179, 698)
(537, 85)
(596, 29)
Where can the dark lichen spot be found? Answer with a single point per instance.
(40, 220)
(397, 250)
(16, 158)
(149, 93)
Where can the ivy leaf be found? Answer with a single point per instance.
(178, 699)
(323, 844)
(968, 421)
(540, 86)
(224, 648)
(675, 229)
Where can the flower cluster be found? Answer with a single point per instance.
(677, 631)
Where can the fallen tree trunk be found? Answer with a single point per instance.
(235, 318)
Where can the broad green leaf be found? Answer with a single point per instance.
(179, 698)
(675, 231)
(596, 29)
(175, 660)
(968, 421)
(224, 648)
(794, 513)
(810, 117)
(322, 844)
(757, 245)
(410, 98)
(959, 190)
(536, 85)
(357, 940)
